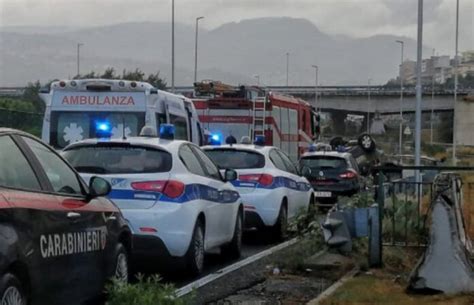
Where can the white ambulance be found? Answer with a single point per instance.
(87, 108)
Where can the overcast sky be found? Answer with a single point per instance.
(357, 18)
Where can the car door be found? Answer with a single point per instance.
(33, 213)
(226, 208)
(80, 239)
(206, 195)
(300, 196)
(283, 179)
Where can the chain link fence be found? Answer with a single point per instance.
(26, 121)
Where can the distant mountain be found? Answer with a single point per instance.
(233, 52)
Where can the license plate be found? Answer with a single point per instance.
(323, 194)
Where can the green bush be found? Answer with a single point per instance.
(147, 291)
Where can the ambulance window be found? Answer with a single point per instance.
(181, 127)
(15, 171)
(190, 160)
(62, 178)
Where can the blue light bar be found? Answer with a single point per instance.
(312, 148)
(167, 131)
(103, 129)
(259, 140)
(215, 139)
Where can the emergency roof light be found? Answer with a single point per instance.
(148, 131)
(215, 139)
(103, 129)
(259, 140)
(312, 148)
(245, 140)
(230, 140)
(167, 131)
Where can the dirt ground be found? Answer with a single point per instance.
(388, 285)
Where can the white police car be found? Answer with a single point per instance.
(173, 196)
(271, 187)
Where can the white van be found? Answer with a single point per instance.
(77, 109)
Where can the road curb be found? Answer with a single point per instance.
(226, 270)
(331, 289)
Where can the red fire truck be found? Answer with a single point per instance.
(286, 122)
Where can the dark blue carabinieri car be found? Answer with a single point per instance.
(60, 240)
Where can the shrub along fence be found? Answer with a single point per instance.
(27, 121)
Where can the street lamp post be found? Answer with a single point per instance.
(400, 135)
(257, 77)
(418, 91)
(456, 65)
(79, 45)
(432, 101)
(368, 106)
(172, 45)
(287, 67)
(196, 48)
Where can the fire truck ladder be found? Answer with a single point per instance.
(259, 114)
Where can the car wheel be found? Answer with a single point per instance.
(121, 270)
(280, 229)
(11, 291)
(337, 141)
(195, 254)
(366, 142)
(234, 248)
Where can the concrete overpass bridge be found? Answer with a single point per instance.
(349, 99)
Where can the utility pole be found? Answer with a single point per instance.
(400, 135)
(456, 65)
(79, 45)
(368, 105)
(172, 45)
(418, 91)
(432, 101)
(316, 69)
(287, 67)
(196, 48)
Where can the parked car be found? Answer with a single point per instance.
(60, 240)
(176, 201)
(331, 174)
(272, 188)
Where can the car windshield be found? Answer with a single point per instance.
(323, 162)
(118, 159)
(236, 159)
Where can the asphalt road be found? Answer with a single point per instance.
(253, 243)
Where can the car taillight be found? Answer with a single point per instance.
(149, 186)
(263, 179)
(170, 188)
(174, 189)
(348, 175)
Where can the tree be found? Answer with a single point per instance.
(109, 74)
(136, 75)
(31, 95)
(156, 81)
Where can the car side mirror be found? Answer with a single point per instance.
(230, 175)
(306, 171)
(99, 187)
